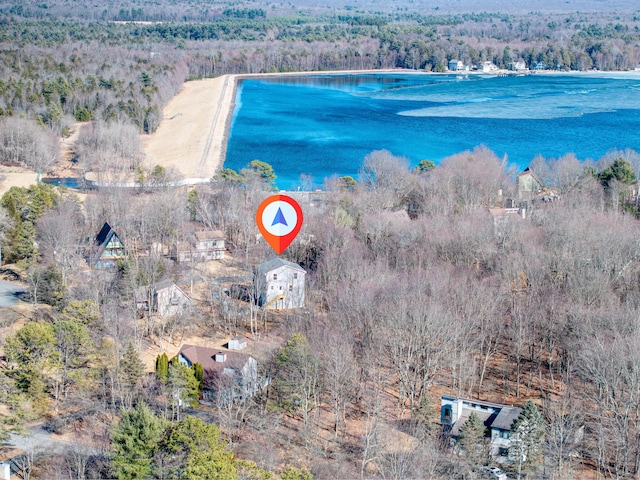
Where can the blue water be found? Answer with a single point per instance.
(324, 125)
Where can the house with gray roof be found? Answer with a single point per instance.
(279, 284)
(164, 298)
(497, 419)
(201, 246)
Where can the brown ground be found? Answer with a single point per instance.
(15, 176)
(192, 135)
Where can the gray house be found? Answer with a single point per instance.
(496, 418)
(279, 284)
(164, 298)
(202, 246)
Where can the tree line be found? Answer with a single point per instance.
(414, 290)
(56, 71)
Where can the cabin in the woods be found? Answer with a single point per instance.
(107, 248)
(202, 246)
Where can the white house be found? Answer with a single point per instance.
(517, 66)
(239, 342)
(5, 471)
(279, 284)
(228, 375)
(496, 418)
(455, 65)
(487, 67)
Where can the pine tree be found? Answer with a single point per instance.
(193, 449)
(198, 372)
(183, 387)
(162, 366)
(131, 371)
(527, 434)
(472, 437)
(133, 442)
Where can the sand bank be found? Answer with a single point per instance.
(192, 136)
(16, 177)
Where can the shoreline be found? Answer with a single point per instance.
(207, 105)
(192, 136)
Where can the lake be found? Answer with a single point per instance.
(325, 124)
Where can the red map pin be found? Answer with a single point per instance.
(279, 219)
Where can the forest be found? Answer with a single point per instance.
(416, 287)
(60, 64)
(401, 308)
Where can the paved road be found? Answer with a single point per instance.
(38, 440)
(10, 293)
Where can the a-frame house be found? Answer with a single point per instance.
(107, 249)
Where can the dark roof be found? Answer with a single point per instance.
(506, 417)
(497, 416)
(485, 417)
(104, 236)
(102, 240)
(275, 262)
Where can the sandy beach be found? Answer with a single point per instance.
(192, 136)
(16, 177)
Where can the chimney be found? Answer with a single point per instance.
(221, 357)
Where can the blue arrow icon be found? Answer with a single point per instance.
(279, 218)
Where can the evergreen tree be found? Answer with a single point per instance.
(296, 375)
(527, 434)
(198, 372)
(425, 166)
(33, 350)
(131, 371)
(620, 170)
(261, 171)
(471, 438)
(84, 312)
(74, 346)
(133, 442)
(194, 450)
(229, 175)
(183, 387)
(25, 206)
(162, 366)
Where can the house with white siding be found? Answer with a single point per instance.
(279, 284)
(164, 298)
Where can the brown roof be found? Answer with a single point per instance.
(205, 356)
